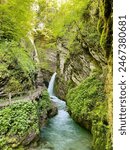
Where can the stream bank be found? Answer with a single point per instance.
(62, 133)
(20, 123)
(75, 46)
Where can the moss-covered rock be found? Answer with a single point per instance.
(87, 105)
(106, 44)
(17, 69)
(45, 109)
(105, 26)
(20, 123)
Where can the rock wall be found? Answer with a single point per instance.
(90, 51)
(17, 69)
(46, 52)
(84, 51)
(76, 60)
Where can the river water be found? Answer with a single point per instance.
(62, 133)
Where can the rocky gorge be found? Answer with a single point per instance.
(84, 65)
(75, 41)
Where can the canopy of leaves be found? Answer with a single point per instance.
(15, 19)
(67, 14)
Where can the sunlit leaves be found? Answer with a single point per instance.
(83, 99)
(16, 121)
(69, 12)
(15, 19)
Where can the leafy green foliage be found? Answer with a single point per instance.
(44, 103)
(16, 121)
(87, 104)
(17, 118)
(86, 97)
(72, 11)
(16, 67)
(15, 19)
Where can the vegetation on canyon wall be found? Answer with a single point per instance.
(85, 36)
(20, 123)
(17, 122)
(17, 69)
(73, 38)
(87, 105)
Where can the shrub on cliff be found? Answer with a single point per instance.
(17, 69)
(20, 122)
(17, 123)
(44, 103)
(87, 105)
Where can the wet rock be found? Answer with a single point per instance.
(46, 76)
(29, 138)
(53, 111)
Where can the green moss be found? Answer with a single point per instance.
(87, 105)
(99, 131)
(88, 93)
(107, 8)
(100, 25)
(105, 28)
(17, 69)
(106, 37)
(13, 85)
(109, 139)
(44, 102)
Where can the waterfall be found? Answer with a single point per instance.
(39, 76)
(35, 51)
(51, 85)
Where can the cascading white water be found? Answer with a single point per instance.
(61, 132)
(51, 85)
(35, 50)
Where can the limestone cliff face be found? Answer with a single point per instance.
(47, 59)
(72, 69)
(90, 51)
(83, 62)
(77, 60)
